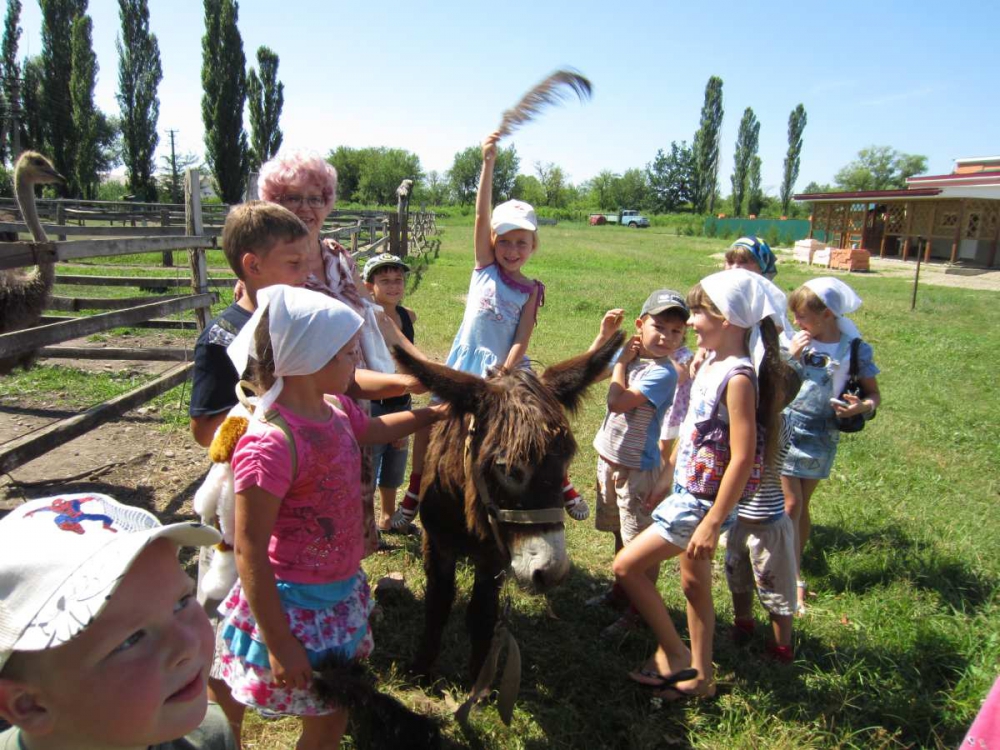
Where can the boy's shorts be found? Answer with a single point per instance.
(389, 463)
(763, 555)
(621, 495)
(676, 518)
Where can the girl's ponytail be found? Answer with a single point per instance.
(262, 365)
(776, 383)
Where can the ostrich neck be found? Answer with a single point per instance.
(26, 202)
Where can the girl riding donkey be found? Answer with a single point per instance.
(500, 314)
(735, 315)
(298, 529)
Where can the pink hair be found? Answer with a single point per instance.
(297, 166)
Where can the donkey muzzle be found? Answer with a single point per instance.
(539, 559)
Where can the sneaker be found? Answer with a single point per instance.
(627, 623)
(780, 654)
(403, 517)
(577, 509)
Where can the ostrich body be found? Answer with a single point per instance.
(24, 296)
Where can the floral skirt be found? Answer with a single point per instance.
(328, 619)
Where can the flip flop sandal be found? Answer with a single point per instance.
(652, 679)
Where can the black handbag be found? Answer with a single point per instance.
(854, 423)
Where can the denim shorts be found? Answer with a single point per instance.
(676, 518)
(812, 448)
(389, 463)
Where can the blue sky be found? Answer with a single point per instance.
(434, 77)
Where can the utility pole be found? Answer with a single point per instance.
(175, 186)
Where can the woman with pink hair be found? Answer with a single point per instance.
(306, 184)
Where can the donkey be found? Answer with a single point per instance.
(492, 487)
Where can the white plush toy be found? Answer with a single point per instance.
(215, 502)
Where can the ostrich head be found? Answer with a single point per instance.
(34, 169)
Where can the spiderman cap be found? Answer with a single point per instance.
(63, 557)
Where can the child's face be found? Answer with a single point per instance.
(388, 286)
(660, 337)
(285, 263)
(512, 249)
(707, 328)
(336, 375)
(138, 675)
(814, 323)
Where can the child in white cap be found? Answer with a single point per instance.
(302, 595)
(500, 312)
(822, 352)
(102, 642)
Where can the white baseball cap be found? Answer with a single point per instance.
(513, 215)
(62, 559)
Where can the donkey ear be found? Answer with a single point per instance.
(569, 380)
(460, 390)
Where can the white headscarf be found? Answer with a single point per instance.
(307, 329)
(841, 300)
(745, 299)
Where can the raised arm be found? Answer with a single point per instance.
(484, 203)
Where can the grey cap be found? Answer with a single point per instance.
(662, 300)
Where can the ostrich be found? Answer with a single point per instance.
(24, 296)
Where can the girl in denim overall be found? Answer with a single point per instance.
(821, 353)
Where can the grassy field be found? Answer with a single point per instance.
(902, 639)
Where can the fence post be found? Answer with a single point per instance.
(193, 228)
(402, 215)
(168, 255)
(354, 237)
(61, 218)
(394, 235)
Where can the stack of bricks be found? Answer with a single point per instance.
(850, 260)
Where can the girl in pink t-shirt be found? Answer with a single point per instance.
(302, 595)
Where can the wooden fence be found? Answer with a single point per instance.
(124, 228)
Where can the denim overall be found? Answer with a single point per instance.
(813, 422)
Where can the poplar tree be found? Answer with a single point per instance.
(32, 127)
(57, 67)
(266, 96)
(706, 147)
(223, 80)
(139, 76)
(81, 86)
(746, 149)
(11, 71)
(796, 124)
(755, 195)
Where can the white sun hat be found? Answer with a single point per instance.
(513, 215)
(62, 559)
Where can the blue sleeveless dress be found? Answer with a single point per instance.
(492, 314)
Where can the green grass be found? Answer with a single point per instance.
(902, 641)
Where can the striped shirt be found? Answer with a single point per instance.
(631, 438)
(768, 503)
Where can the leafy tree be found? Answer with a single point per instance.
(266, 96)
(11, 81)
(110, 148)
(347, 162)
(746, 149)
(81, 86)
(755, 195)
(505, 169)
(816, 187)
(527, 188)
(171, 178)
(631, 190)
(796, 124)
(706, 147)
(223, 81)
(553, 182)
(32, 125)
(382, 169)
(672, 178)
(56, 99)
(434, 189)
(464, 174)
(139, 76)
(601, 189)
(880, 168)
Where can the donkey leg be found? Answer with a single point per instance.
(481, 615)
(439, 567)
